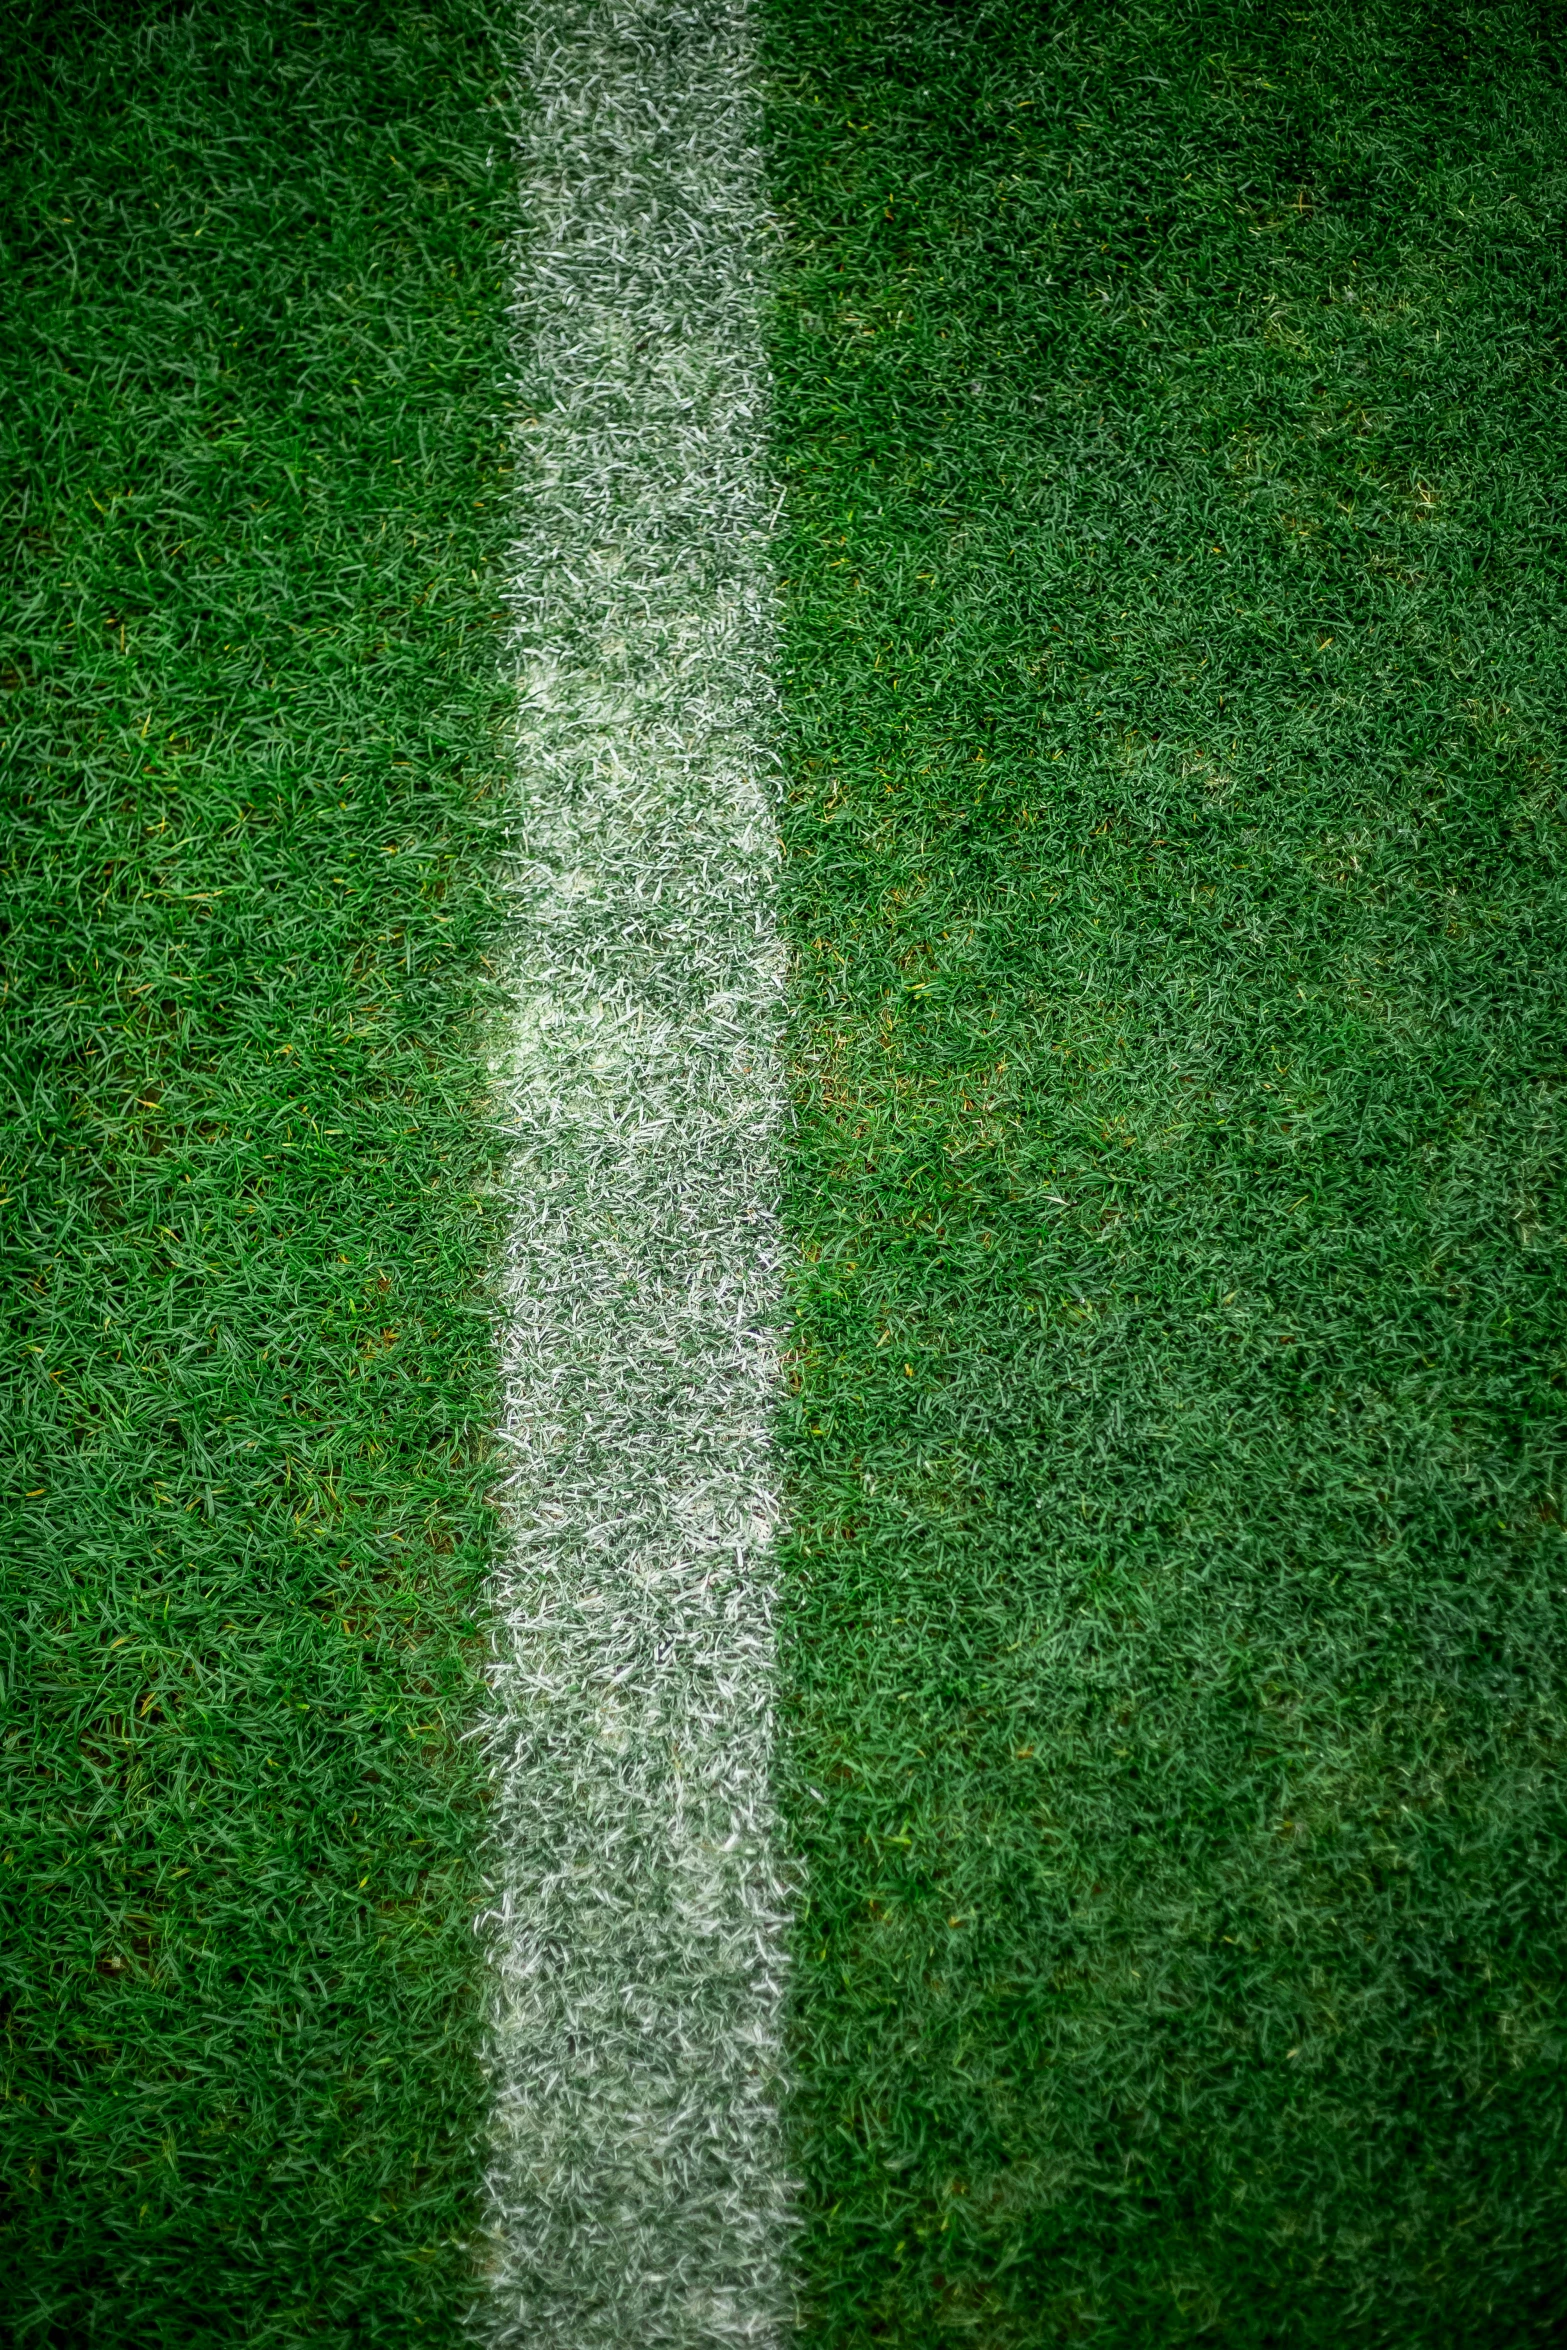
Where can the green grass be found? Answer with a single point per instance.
(250, 689)
(1171, 403)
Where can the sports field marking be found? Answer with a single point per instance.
(637, 2186)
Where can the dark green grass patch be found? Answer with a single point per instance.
(254, 284)
(1174, 420)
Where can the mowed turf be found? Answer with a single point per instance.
(254, 284)
(1173, 417)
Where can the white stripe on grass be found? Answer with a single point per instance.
(638, 2191)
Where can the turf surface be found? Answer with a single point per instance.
(1171, 408)
(254, 288)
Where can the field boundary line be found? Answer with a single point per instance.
(637, 2187)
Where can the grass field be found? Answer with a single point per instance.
(1171, 407)
(254, 288)
(1168, 438)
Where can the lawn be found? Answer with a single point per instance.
(1169, 423)
(254, 281)
(1170, 409)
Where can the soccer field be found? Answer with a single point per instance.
(783, 1016)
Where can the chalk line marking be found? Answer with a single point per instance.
(638, 2188)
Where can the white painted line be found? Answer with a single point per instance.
(638, 2193)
